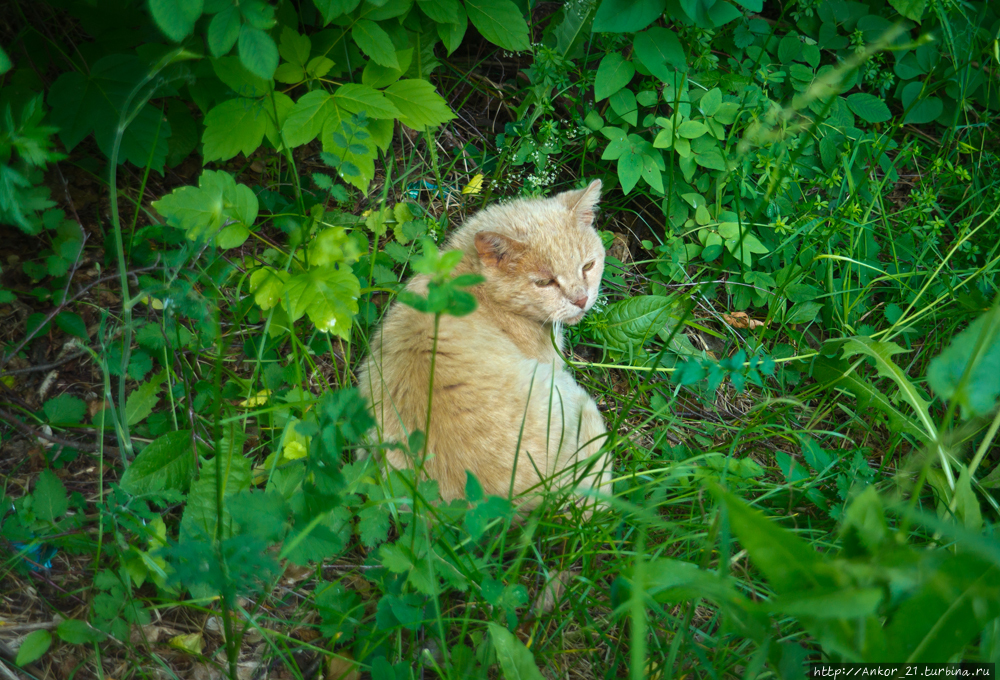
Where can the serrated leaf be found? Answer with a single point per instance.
(234, 126)
(306, 119)
(356, 98)
(49, 498)
(143, 399)
(267, 284)
(419, 104)
(230, 70)
(441, 11)
(374, 42)
(516, 661)
(331, 9)
(175, 17)
(328, 295)
(167, 463)
(33, 646)
(868, 107)
(64, 410)
(629, 324)
(613, 73)
(500, 22)
(257, 51)
(200, 517)
(627, 16)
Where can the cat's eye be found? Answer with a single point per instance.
(590, 265)
(545, 283)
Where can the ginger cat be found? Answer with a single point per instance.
(542, 261)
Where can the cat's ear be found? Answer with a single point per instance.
(583, 202)
(497, 250)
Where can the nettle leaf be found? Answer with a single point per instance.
(500, 22)
(660, 52)
(868, 107)
(257, 51)
(419, 104)
(175, 17)
(627, 16)
(374, 42)
(328, 295)
(516, 660)
(167, 463)
(64, 410)
(234, 126)
(49, 499)
(613, 73)
(143, 399)
(975, 355)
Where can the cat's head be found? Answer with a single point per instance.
(542, 258)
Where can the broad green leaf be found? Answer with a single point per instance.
(223, 31)
(167, 463)
(175, 17)
(49, 499)
(33, 646)
(328, 295)
(803, 312)
(64, 410)
(267, 284)
(377, 76)
(143, 399)
(500, 22)
(613, 73)
(516, 661)
(72, 323)
(451, 34)
(623, 103)
(919, 109)
(257, 51)
(5, 63)
(630, 166)
(201, 517)
(358, 157)
(232, 236)
(234, 126)
(78, 632)
(660, 52)
(306, 119)
(374, 42)
(572, 31)
(973, 354)
(911, 9)
(419, 104)
(868, 107)
(630, 324)
(441, 11)
(331, 9)
(293, 47)
(356, 98)
(627, 16)
(843, 603)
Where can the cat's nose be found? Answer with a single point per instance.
(581, 301)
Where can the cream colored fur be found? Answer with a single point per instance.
(491, 360)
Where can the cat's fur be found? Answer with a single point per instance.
(489, 361)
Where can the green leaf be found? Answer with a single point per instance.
(868, 107)
(613, 73)
(627, 16)
(143, 399)
(33, 646)
(451, 34)
(5, 63)
(223, 31)
(803, 312)
(331, 9)
(419, 104)
(234, 126)
(328, 295)
(356, 98)
(911, 9)
(267, 284)
(441, 11)
(49, 498)
(374, 42)
(201, 517)
(306, 119)
(167, 463)
(500, 22)
(660, 52)
(630, 324)
(230, 70)
(973, 354)
(175, 17)
(293, 47)
(78, 632)
(64, 410)
(72, 323)
(516, 661)
(919, 109)
(257, 51)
